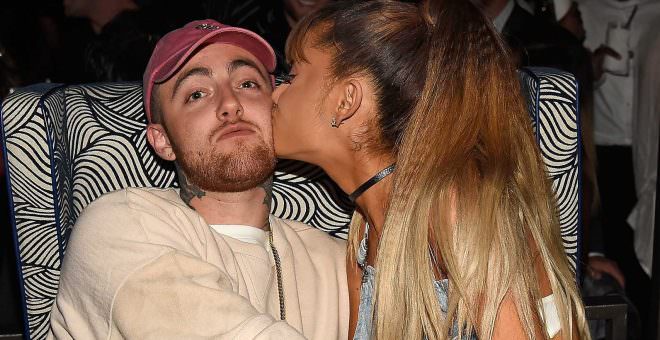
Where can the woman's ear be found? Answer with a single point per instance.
(349, 101)
(157, 137)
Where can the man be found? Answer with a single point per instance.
(206, 261)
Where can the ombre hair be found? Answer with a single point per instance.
(469, 180)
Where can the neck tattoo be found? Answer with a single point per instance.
(187, 191)
(268, 194)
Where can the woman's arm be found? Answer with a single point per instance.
(507, 322)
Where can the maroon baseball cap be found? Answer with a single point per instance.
(174, 49)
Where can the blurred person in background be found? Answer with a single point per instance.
(98, 12)
(26, 34)
(552, 37)
(577, 60)
(603, 275)
(617, 70)
(10, 320)
(123, 38)
(567, 15)
(272, 20)
(529, 38)
(9, 78)
(645, 125)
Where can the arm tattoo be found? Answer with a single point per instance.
(187, 190)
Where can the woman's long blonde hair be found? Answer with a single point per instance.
(468, 168)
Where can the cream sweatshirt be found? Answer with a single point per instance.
(140, 264)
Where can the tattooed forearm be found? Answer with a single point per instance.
(188, 191)
(268, 190)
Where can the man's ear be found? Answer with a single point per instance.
(350, 99)
(157, 137)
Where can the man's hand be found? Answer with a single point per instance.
(597, 265)
(597, 58)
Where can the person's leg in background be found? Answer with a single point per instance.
(617, 189)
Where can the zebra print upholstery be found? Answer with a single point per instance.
(67, 145)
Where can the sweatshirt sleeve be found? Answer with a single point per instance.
(180, 297)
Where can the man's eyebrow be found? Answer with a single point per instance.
(195, 71)
(238, 63)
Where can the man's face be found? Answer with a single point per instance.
(217, 116)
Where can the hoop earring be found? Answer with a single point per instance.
(333, 123)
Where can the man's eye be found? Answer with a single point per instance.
(195, 96)
(249, 84)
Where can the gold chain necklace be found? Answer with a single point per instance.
(278, 271)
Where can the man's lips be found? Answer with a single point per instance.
(234, 130)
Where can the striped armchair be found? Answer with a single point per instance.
(65, 146)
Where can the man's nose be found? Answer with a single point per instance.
(230, 108)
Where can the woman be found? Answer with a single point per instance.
(462, 239)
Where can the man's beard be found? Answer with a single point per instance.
(245, 167)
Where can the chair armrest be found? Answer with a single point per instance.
(613, 309)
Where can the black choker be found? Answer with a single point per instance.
(370, 182)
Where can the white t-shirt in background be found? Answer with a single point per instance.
(614, 97)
